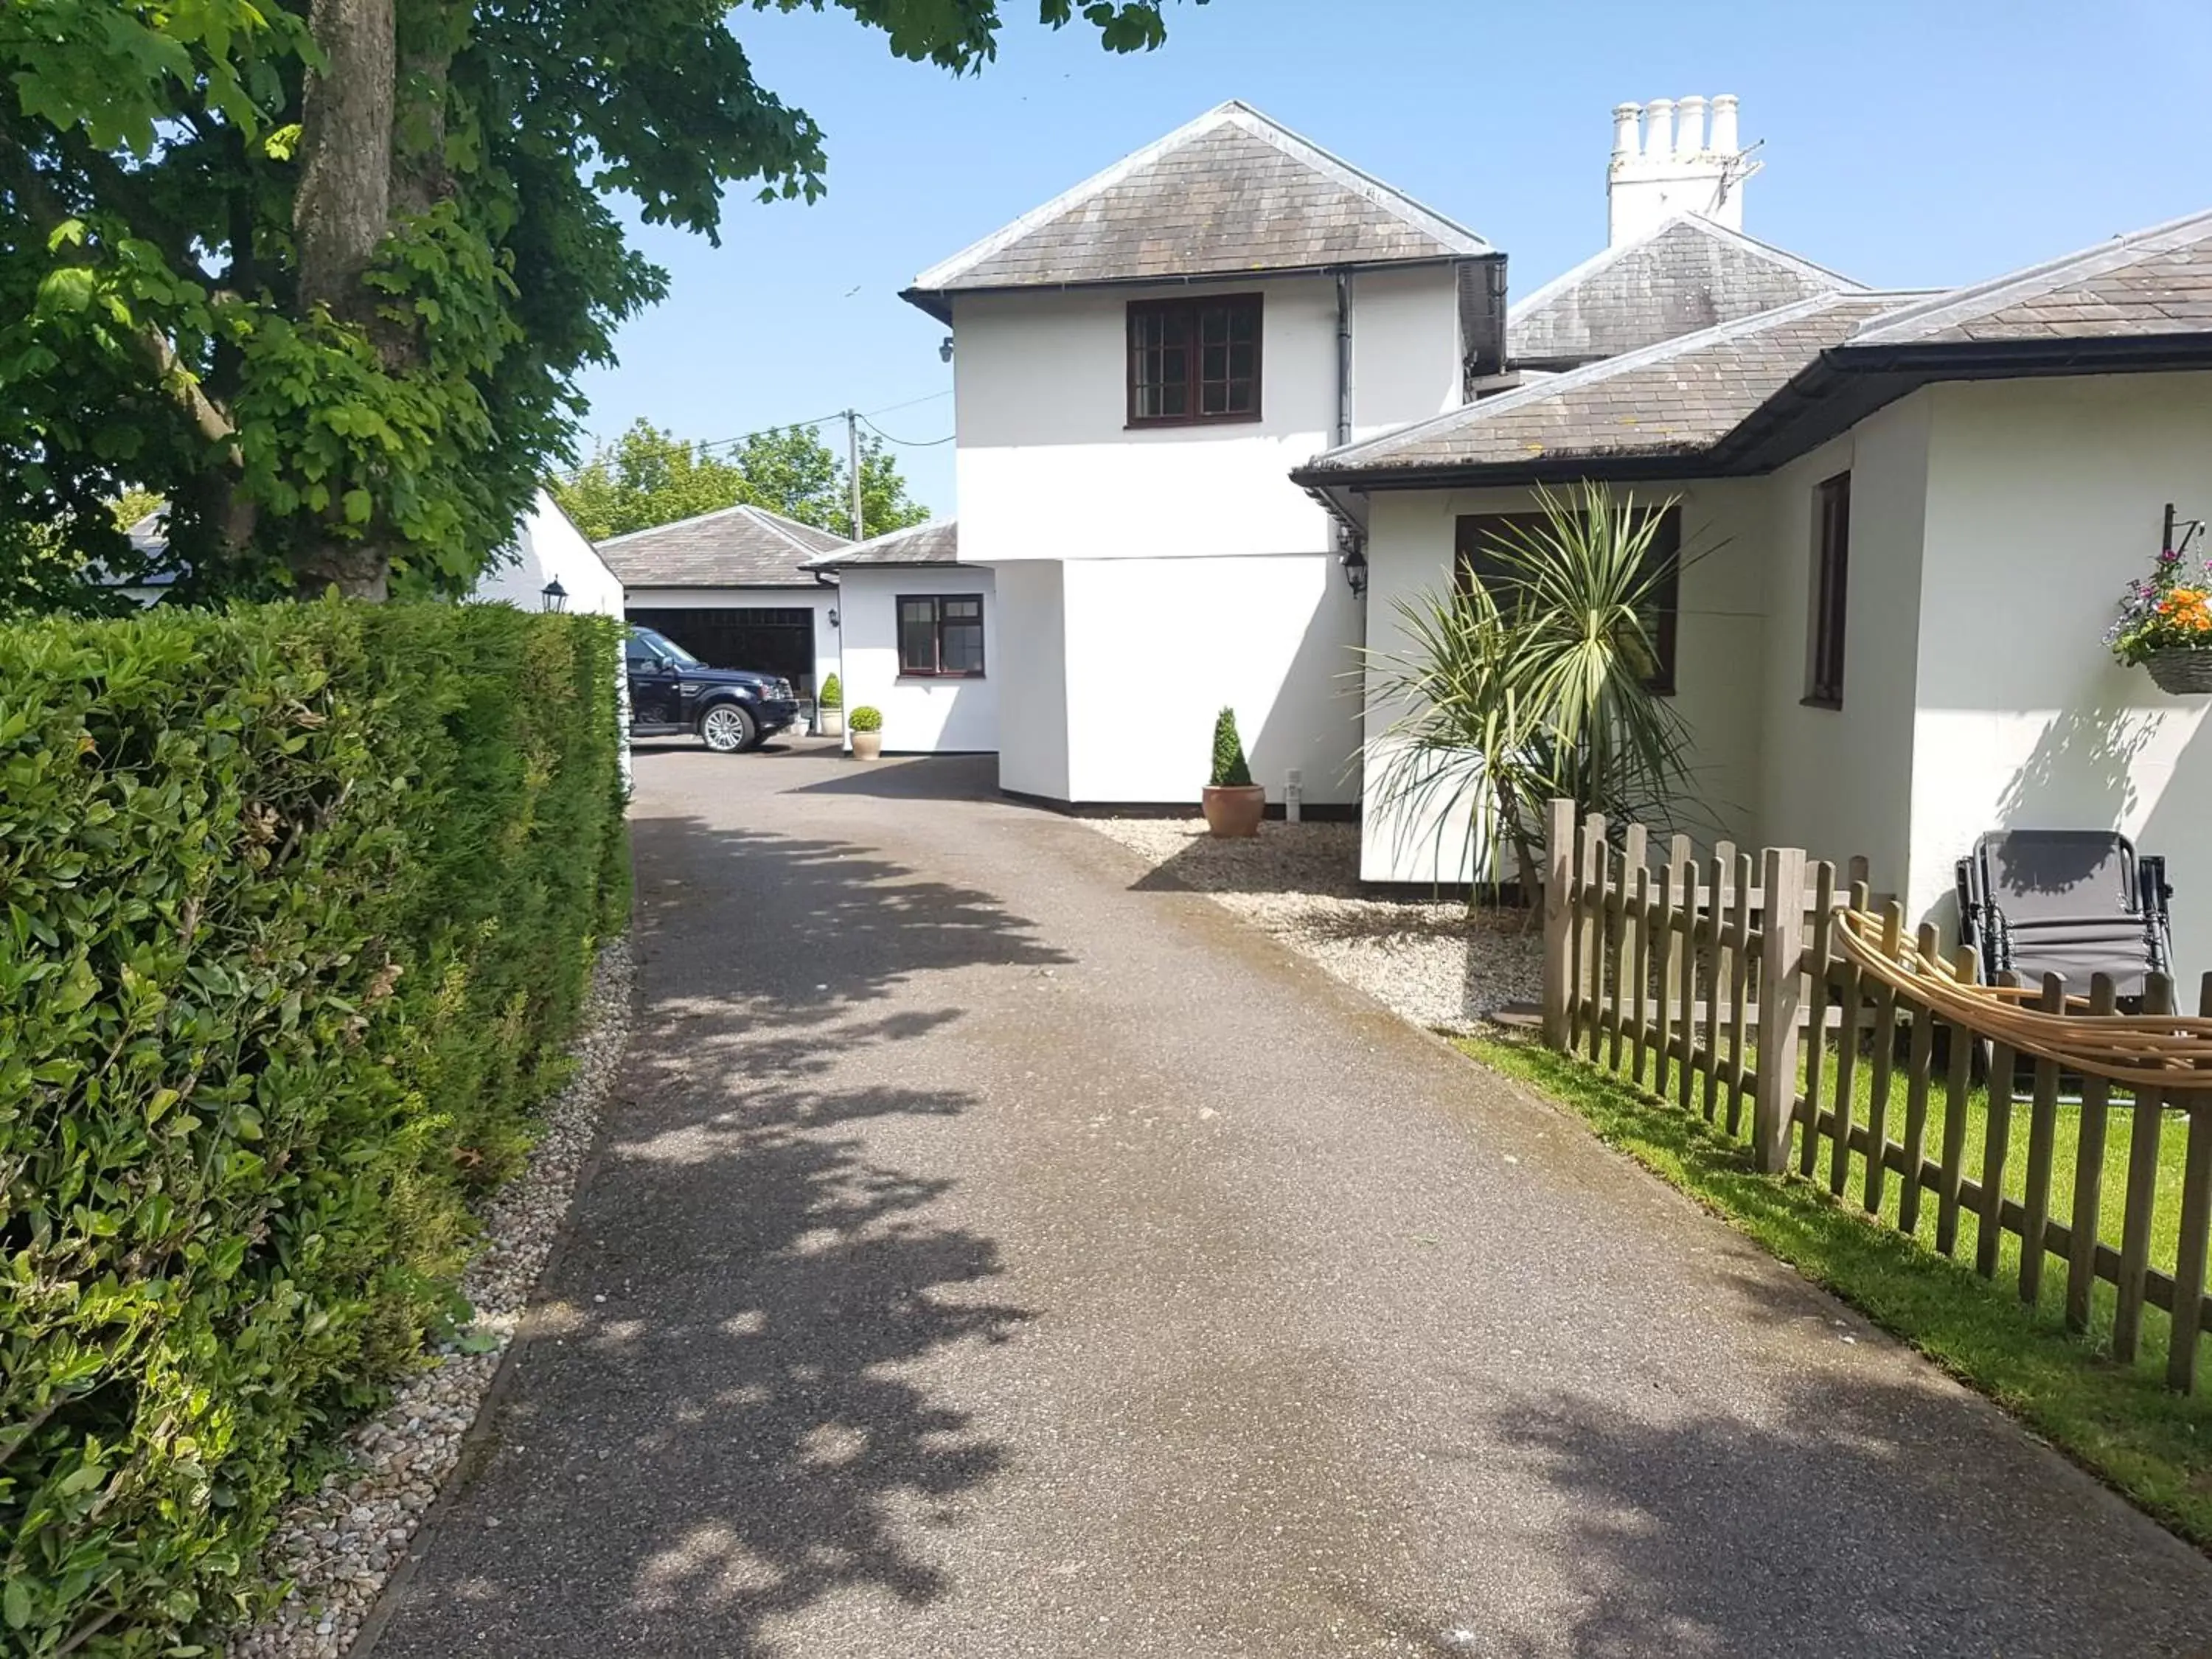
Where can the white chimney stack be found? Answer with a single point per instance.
(1676, 169)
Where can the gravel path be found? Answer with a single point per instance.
(338, 1544)
(1439, 965)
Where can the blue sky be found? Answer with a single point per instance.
(1905, 143)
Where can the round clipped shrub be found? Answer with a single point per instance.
(866, 719)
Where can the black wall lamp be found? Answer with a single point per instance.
(1354, 561)
(553, 596)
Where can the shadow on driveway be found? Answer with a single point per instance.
(717, 1419)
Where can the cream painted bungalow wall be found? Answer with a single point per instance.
(1719, 661)
(2044, 499)
(920, 715)
(1231, 593)
(1838, 781)
(548, 547)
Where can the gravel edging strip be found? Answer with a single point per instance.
(340, 1545)
(1438, 965)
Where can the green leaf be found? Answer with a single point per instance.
(16, 1602)
(67, 288)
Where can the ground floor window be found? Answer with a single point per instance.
(941, 636)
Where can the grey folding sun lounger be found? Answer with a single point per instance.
(2072, 902)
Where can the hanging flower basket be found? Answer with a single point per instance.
(2181, 669)
(2165, 624)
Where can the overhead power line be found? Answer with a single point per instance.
(907, 443)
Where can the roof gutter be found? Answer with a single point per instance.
(937, 301)
(1841, 386)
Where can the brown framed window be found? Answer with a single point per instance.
(941, 636)
(1831, 561)
(1193, 361)
(1483, 545)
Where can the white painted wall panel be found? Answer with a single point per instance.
(920, 716)
(1156, 646)
(1033, 658)
(1839, 782)
(2045, 498)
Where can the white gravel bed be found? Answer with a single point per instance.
(1438, 965)
(338, 1544)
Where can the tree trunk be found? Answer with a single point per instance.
(342, 212)
(344, 201)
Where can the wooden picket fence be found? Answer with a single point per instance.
(1719, 983)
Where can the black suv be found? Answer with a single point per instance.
(671, 690)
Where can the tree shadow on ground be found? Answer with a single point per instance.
(1881, 1516)
(726, 1411)
(916, 777)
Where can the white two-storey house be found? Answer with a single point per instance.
(1139, 365)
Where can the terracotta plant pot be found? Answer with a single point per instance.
(2180, 669)
(1235, 809)
(867, 745)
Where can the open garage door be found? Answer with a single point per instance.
(767, 640)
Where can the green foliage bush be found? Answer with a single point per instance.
(1229, 768)
(866, 719)
(833, 694)
(296, 911)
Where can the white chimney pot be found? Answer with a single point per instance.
(1624, 128)
(1690, 125)
(1659, 128)
(1723, 140)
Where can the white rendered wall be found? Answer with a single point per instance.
(547, 545)
(1048, 466)
(1155, 648)
(920, 716)
(2045, 498)
(1719, 662)
(1838, 781)
(1031, 610)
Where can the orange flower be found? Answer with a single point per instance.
(2189, 608)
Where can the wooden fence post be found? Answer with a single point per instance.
(1559, 880)
(2195, 1240)
(1780, 956)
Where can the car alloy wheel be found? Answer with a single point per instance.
(726, 729)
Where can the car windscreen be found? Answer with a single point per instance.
(666, 648)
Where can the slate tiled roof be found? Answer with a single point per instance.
(1685, 275)
(736, 547)
(2156, 282)
(924, 543)
(1670, 399)
(1231, 193)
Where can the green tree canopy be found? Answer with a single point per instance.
(650, 476)
(323, 273)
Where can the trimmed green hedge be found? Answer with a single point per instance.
(297, 907)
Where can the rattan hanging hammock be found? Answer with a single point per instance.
(2172, 1051)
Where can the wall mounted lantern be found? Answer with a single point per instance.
(1354, 561)
(553, 596)
(944, 351)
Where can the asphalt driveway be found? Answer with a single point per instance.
(988, 1257)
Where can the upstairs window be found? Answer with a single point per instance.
(1832, 559)
(1488, 540)
(940, 637)
(1194, 361)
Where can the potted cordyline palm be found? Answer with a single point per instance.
(1234, 805)
(1533, 684)
(2165, 624)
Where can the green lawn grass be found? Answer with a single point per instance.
(2119, 1421)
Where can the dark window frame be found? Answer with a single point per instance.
(1472, 529)
(937, 602)
(1192, 308)
(1828, 608)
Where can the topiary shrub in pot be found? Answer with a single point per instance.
(868, 732)
(1234, 804)
(830, 708)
